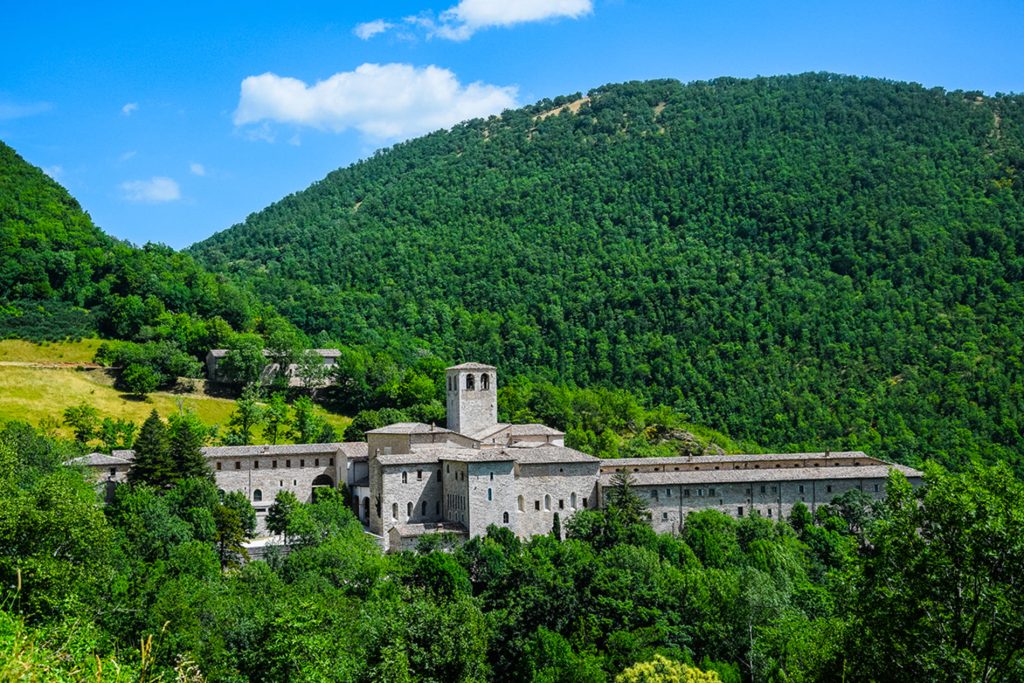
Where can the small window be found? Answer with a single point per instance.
(769, 512)
(686, 493)
(408, 509)
(763, 489)
(485, 381)
(218, 466)
(448, 469)
(828, 489)
(280, 482)
(492, 476)
(470, 383)
(257, 496)
(668, 493)
(273, 464)
(876, 488)
(522, 504)
(238, 464)
(302, 463)
(316, 463)
(113, 471)
(405, 477)
(664, 516)
(547, 501)
(749, 491)
(331, 463)
(572, 500)
(394, 511)
(739, 511)
(711, 492)
(584, 503)
(801, 488)
(423, 508)
(295, 482)
(504, 515)
(561, 503)
(654, 494)
(536, 505)
(775, 489)
(419, 474)
(490, 494)
(287, 463)
(700, 492)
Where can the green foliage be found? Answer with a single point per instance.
(84, 420)
(247, 416)
(810, 261)
(187, 436)
(154, 464)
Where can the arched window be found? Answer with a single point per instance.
(423, 508)
(408, 509)
(572, 500)
(547, 502)
(394, 511)
(470, 383)
(504, 517)
(405, 477)
(522, 504)
(490, 494)
(485, 382)
(257, 496)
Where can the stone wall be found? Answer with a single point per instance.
(405, 485)
(491, 492)
(549, 488)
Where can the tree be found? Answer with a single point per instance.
(244, 362)
(237, 501)
(231, 536)
(941, 595)
(140, 379)
(117, 433)
(307, 425)
(187, 438)
(275, 417)
(84, 420)
(153, 463)
(311, 371)
(664, 670)
(248, 414)
(556, 528)
(624, 502)
(280, 513)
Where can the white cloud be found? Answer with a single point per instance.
(127, 155)
(383, 101)
(129, 108)
(197, 169)
(371, 28)
(55, 171)
(9, 110)
(155, 190)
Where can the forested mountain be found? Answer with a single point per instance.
(62, 276)
(804, 261)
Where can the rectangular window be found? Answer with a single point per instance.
(113, 471)
(876, 488)
(536, 505)
(828, 489)
(711, 492)
(218, 466)
(238, 464)
(419, 474)
(664, 515)
(668, 493)
(749, 490)
(739, 511)
(686, 493)
(561, 503)
(273, 463)
(287, 463)
(700, 493)
(762, 489)
(801, 488)
(302, 463)
(769, 512)
(255, 464)
(316, 463)
(331, 463)
(775, 489)
(584, 503)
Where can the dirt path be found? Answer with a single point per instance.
(27, 364)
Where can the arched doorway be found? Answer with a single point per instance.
(323, 480)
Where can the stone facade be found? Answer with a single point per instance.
(412, 479)
(214, 356)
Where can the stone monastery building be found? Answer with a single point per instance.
(411, 479)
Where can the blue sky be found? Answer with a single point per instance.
(170, 122)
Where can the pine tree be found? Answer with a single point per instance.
(153, 463)
(187, 436)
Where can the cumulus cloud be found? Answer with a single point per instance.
(382, 101)
(155, 190)
(197, 169)
(11, 110)
(371, 28)
(129, 108)
(469, 16)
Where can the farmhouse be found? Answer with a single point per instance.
(411, 479)
(329, 358)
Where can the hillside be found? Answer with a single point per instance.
(805, 261)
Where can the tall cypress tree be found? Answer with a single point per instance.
(153, 463)
(187, 435)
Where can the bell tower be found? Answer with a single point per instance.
(472, 391)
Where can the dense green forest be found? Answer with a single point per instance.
(922, 586)
(805, 261)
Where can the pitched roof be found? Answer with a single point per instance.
(355, 450)
(353, 447)
(714, 477)
(548, 453)
(472, 366)
(98, 460)
(746, 458)
(530, 429)
(326, 353)
(408, 428)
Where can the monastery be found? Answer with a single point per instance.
(410, 479)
